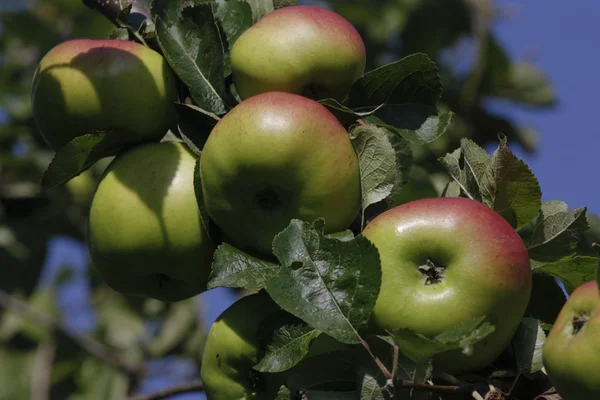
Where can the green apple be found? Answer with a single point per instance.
(233, 348)
(571, 352)
(87, 85)
(145, 235)
(274, 157)
(305, 50)
(447, 260)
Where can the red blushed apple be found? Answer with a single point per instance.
(86, 85)
(572, 350)
(275, 157)
(447, 260)
(305, 50)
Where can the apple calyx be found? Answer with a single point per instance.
(432, 272)
(579, 322)
(268, 198)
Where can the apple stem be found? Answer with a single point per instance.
(386, 372)
(396, 358)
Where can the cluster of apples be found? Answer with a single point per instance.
(277, 155)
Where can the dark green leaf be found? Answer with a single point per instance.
(572, 270)
(284, 3)
(526, 84)
(234, 268)
(370, 389)
(288, 344)
(190, 40)
(413, 79)
(554, 232)
(527, 344)
(376, 159)
(510, 188)
(283, 394)
(323, 370)
(195, 125)
(329, 283)
(82, 152)
(235, 16)
(404, 162)
(207, 224)
(467, 166)
(260, 8)
(417, 123)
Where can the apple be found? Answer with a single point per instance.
(87, 85)
(274, 157)
(145, 235)
(305, 50)
(447, 260)
(571, 352)
(233, 348)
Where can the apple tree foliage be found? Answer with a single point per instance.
(415, 122)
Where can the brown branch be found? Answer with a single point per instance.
(466, 388)
(193, 386)
(41, 375)
(91, 346)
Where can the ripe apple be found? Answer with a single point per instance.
(145, 235)
(305, 50)
(86, 85)
(447, 260)
(233, 348)
(274, 157)
(571, 352)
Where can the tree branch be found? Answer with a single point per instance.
(91, 346)
(193, 386)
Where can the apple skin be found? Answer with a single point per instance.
(274, 157)
(86, 85)
(572, 360)
(487, 273)
(145, 236)
(232, 348)
(305, 50)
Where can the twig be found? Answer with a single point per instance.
(96, 349)
(466, 388)
(193, 386)
(382, 368)
(41, 374)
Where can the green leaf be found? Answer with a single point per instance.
(330, 395)
(190, 41)
(194, 125)
(288, 343)
(369, 387)
(344, 236)
(510, 188)
(467, 166)
(593, 234)
(283, 394)
(260, 8)
(235, 16)
(527, 344)
(329, 283)
(572, 270)
(82, 152)
(417, 123)
(404, 162)
(413, 79)
(554, 232)
(233, 267)
(376, 159)
(277, 4)
(463, 336)
(16, 373)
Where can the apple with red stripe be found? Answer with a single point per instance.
(305, 50)
(274, 157)
(445, 261)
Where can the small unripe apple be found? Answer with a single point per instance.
(305, 50)
(145, 235)
(445, 261)
(571, 352)
(87, 85)
(275, 157)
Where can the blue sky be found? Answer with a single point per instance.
(561, 38)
